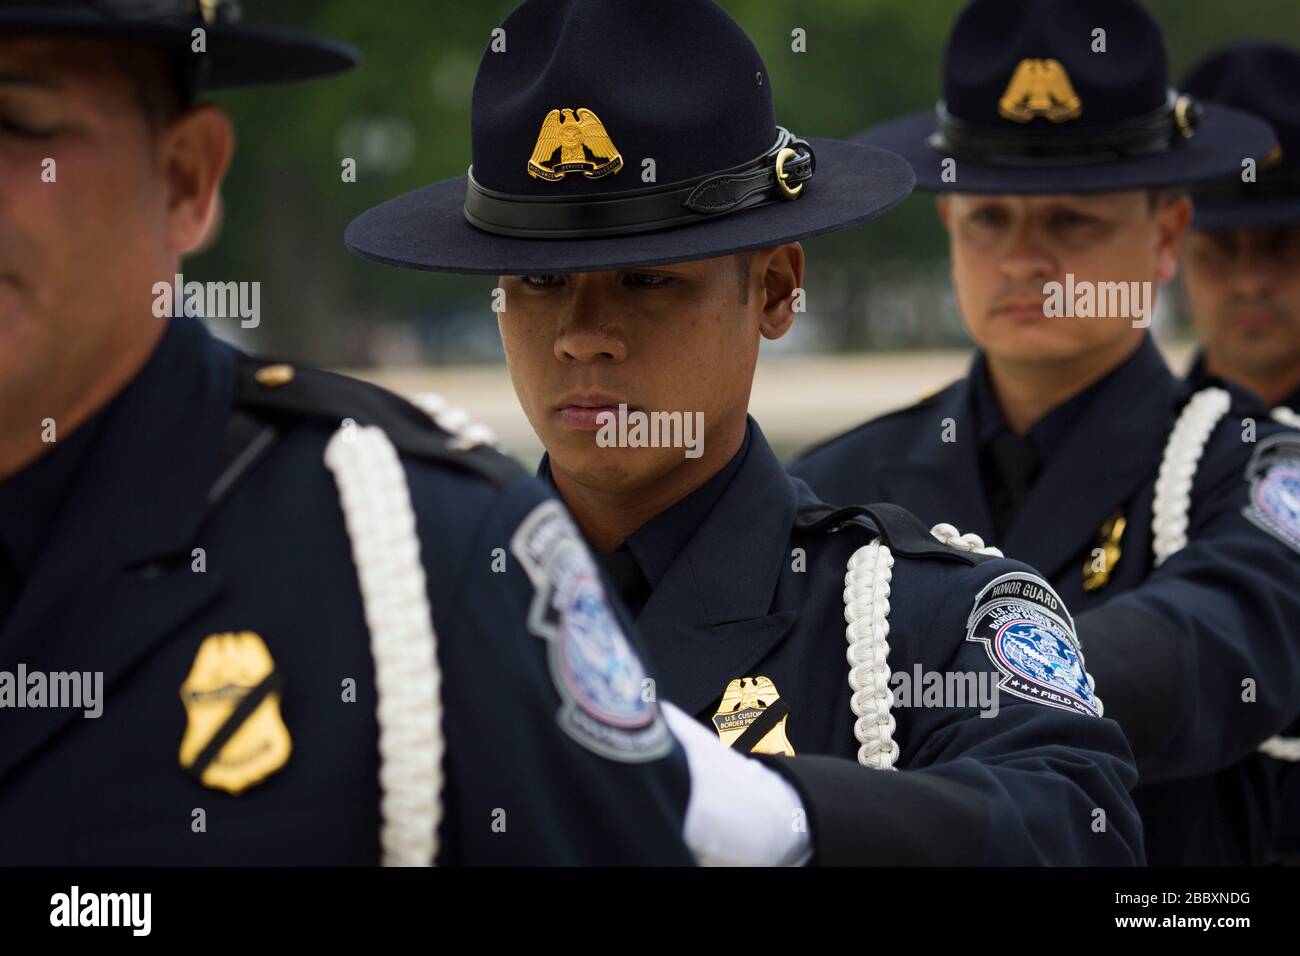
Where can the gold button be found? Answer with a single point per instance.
(273, 376)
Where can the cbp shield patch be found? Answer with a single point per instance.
(1274, 474)
(1029, 637)
(599, 677)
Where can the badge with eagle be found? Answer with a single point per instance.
(1040, 88)
(753, 718)
(583, 144)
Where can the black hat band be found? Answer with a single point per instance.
(207, 11)
(1150, 135)
(1272, 184)
(776, 176)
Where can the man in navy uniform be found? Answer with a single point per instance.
(252, 613)
(1242, 262)
(1160, 517)
(623, 301)
(1241, 270)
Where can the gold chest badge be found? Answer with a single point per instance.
(583, 144)
(234, 735)
(752, 717)
(1040, 88)
(1098, 567)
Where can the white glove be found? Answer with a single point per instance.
(740, 812)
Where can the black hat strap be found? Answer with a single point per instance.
(1155, 133)
(778, 175)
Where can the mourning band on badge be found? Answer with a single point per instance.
(1150, 135)
(243, 710)
(1029, 636)
(776, 176)
(762, 726)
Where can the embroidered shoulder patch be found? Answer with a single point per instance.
(1029, 636)
(1274, 475)
(598, 675)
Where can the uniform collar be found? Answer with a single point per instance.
(115, 575)
(718, 561)
(1049, 432)
(30, 500)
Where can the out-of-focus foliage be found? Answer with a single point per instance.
(404, 116)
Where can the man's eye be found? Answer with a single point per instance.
(10, 128)
(542, 282)
(988, 217)
(1072, 219)
(645, 280)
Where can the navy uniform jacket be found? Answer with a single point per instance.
(113, 589)
(1168, 648)
(745, 578)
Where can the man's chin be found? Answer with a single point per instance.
(614, 470)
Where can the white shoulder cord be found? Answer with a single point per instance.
(455, 420)
(1173, 496)
(380, 521)
(1285, 416)
(866, 611)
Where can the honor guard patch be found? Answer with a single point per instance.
(584, 147)
(599, 677)
(1274, 475)
(234, 734)
(752, 717)
(1029, 637)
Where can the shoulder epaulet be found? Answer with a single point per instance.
(281, 391)
(902, 531)
(925, 401)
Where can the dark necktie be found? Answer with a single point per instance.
(1011, 466)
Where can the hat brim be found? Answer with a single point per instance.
(1224, 138)
(1248, 214)
(426, 229)
(239, 54)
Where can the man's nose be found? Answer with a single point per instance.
(590, 331)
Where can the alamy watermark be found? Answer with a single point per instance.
(209, 300)
(77, 690)
(638, 429)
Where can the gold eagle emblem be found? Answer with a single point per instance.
(745, 701)
(583, 143)
(233, 741)
(1040, 88)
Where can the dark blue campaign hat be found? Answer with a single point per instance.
(236, 53)
(1031, 104)
(586, 101)
(1264, 78)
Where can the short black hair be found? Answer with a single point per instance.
(743, 261)
(159, 78)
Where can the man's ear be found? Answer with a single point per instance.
(782, 282)
(942, 207)
(1173, 219)
(193, 152)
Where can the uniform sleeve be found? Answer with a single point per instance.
(556, 750)
(1201, 663)
(1020, 773)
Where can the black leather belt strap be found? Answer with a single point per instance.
(741, 187)
(761, 726)
(1157, 132)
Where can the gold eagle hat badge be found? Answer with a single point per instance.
(575, 135)
(234, 735)
(1040, 88)
(752, 717)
